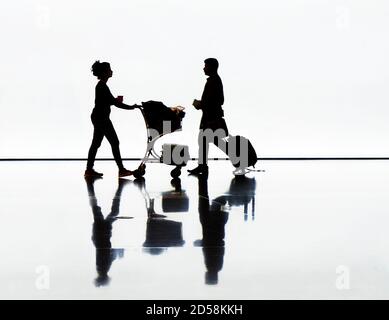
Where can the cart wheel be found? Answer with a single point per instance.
(176, 172)
(138, 174)
(142, 169)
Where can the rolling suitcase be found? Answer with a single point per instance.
(241, 152)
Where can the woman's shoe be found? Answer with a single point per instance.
(125, 173)
(92, 173)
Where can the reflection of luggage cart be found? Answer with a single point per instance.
(163, 233)
(161, 120)
(174, 201)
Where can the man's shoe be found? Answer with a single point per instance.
(92, 173)
(125, 173)
(201, 169)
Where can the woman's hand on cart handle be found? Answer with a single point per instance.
(134, 106)
(125, 106)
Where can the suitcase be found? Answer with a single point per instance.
(175, 154)
(241, 152)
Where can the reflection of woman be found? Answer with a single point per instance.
(103, 126)
(102, 231)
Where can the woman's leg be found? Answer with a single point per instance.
(110, 134)
(98, 136)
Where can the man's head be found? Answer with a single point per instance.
(210, 66)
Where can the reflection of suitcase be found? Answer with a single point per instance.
(241, 152)
(175, 202)
(163, 233)
(175, 154)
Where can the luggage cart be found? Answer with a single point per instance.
(161, 120)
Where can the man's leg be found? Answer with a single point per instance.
(217, 137)
(203, 142)
(221, 143)
(203, 148)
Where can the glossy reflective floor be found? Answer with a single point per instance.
(302, 229)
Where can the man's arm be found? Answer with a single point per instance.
(197, 104)
(213, 93)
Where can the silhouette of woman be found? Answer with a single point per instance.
(102, 124)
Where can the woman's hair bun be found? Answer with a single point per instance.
(96, 68)
(100, 69)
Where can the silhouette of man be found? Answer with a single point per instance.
(213, 127)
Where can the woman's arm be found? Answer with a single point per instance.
(122, 105)
(117, 102)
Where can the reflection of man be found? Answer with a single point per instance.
(102, 231)
(213, 116)
(213, 223)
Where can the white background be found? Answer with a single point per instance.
(301, 78)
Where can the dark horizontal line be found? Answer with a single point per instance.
(215, 159)
(328, 158)
(61, 159)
